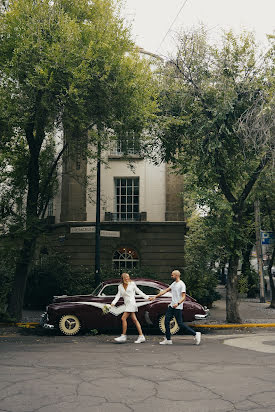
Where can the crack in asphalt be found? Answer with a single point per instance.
(124, 369)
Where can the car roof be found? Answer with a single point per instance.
(137, 280)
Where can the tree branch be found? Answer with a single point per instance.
(89, 127)
(253, 179)
(223, 183)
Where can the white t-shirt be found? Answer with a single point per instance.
(177, 289)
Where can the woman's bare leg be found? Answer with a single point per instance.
(124, 322)
(136, 322)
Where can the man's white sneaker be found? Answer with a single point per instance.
(198, 338)
(121, 339)
(166, 342)
(140, 339)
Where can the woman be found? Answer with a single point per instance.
(127, 290)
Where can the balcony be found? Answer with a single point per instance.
(174, 216)
(125, 217)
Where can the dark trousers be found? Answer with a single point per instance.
(178, 315)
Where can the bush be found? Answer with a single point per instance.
(7, 266)
(242, 284)
(201, 252)
(54, 276)
(201, 286)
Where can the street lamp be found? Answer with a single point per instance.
(97, 226)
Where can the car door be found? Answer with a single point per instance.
(105, 297)
(143, 304)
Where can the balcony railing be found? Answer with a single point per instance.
(125, 217)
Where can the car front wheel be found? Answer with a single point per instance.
(174, 327)
(69, 325)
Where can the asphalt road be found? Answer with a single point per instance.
(91, 373)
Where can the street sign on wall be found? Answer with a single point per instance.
(109, 233)
(268, 238)
(82, 229)
(91, 229)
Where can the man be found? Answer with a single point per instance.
(178, 290)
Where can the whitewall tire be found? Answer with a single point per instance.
(69, 325)
(174, 327)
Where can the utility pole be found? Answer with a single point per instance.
(97, 227)
(259, 249)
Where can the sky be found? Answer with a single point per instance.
(151, 19)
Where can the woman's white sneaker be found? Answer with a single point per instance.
(198, 338)
(140, 339)
(121, 339)
(166, 342)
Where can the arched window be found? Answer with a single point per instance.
(125, 258)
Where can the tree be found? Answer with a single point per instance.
(63, 63)
(207, 94)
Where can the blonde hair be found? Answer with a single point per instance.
(123, 275)
(177, 272)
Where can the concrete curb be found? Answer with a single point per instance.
(236, 325)
(20, 324)
(206, 326)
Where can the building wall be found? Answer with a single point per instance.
(160, 246)
(152, 187)
(174, 195)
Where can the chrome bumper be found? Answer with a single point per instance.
(48, 326)
(44, 321)
(197, 317)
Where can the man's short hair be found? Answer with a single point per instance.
(177, 272)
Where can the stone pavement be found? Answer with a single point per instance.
(91, 373)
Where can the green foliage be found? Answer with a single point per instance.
(202, 249)
(243, 286)
(7, 265)
(217, 127)
(54, 276)
(207, 91)
(63, 63)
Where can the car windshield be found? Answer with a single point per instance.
(97, 289)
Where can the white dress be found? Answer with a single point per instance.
(129, 296)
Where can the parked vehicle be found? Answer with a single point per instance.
(69, 314)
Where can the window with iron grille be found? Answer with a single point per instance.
(50, 208)
(127, 198)
(129, 145)
(125, 258)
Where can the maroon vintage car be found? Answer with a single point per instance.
(86, 312)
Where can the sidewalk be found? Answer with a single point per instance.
(251, 310)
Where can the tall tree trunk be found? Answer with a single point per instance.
(271, 279)
(246, 271)
(232, 307)
(25, 259)
(22, 269)
(272, 259)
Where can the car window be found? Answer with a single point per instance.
(97, 289)
(148, 290)
(109, 290)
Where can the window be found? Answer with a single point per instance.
(109, 290)
(127, 198)
(148, 290)
(129, 145)
(125, 258)
(50, 208)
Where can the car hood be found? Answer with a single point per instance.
(74, 298)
